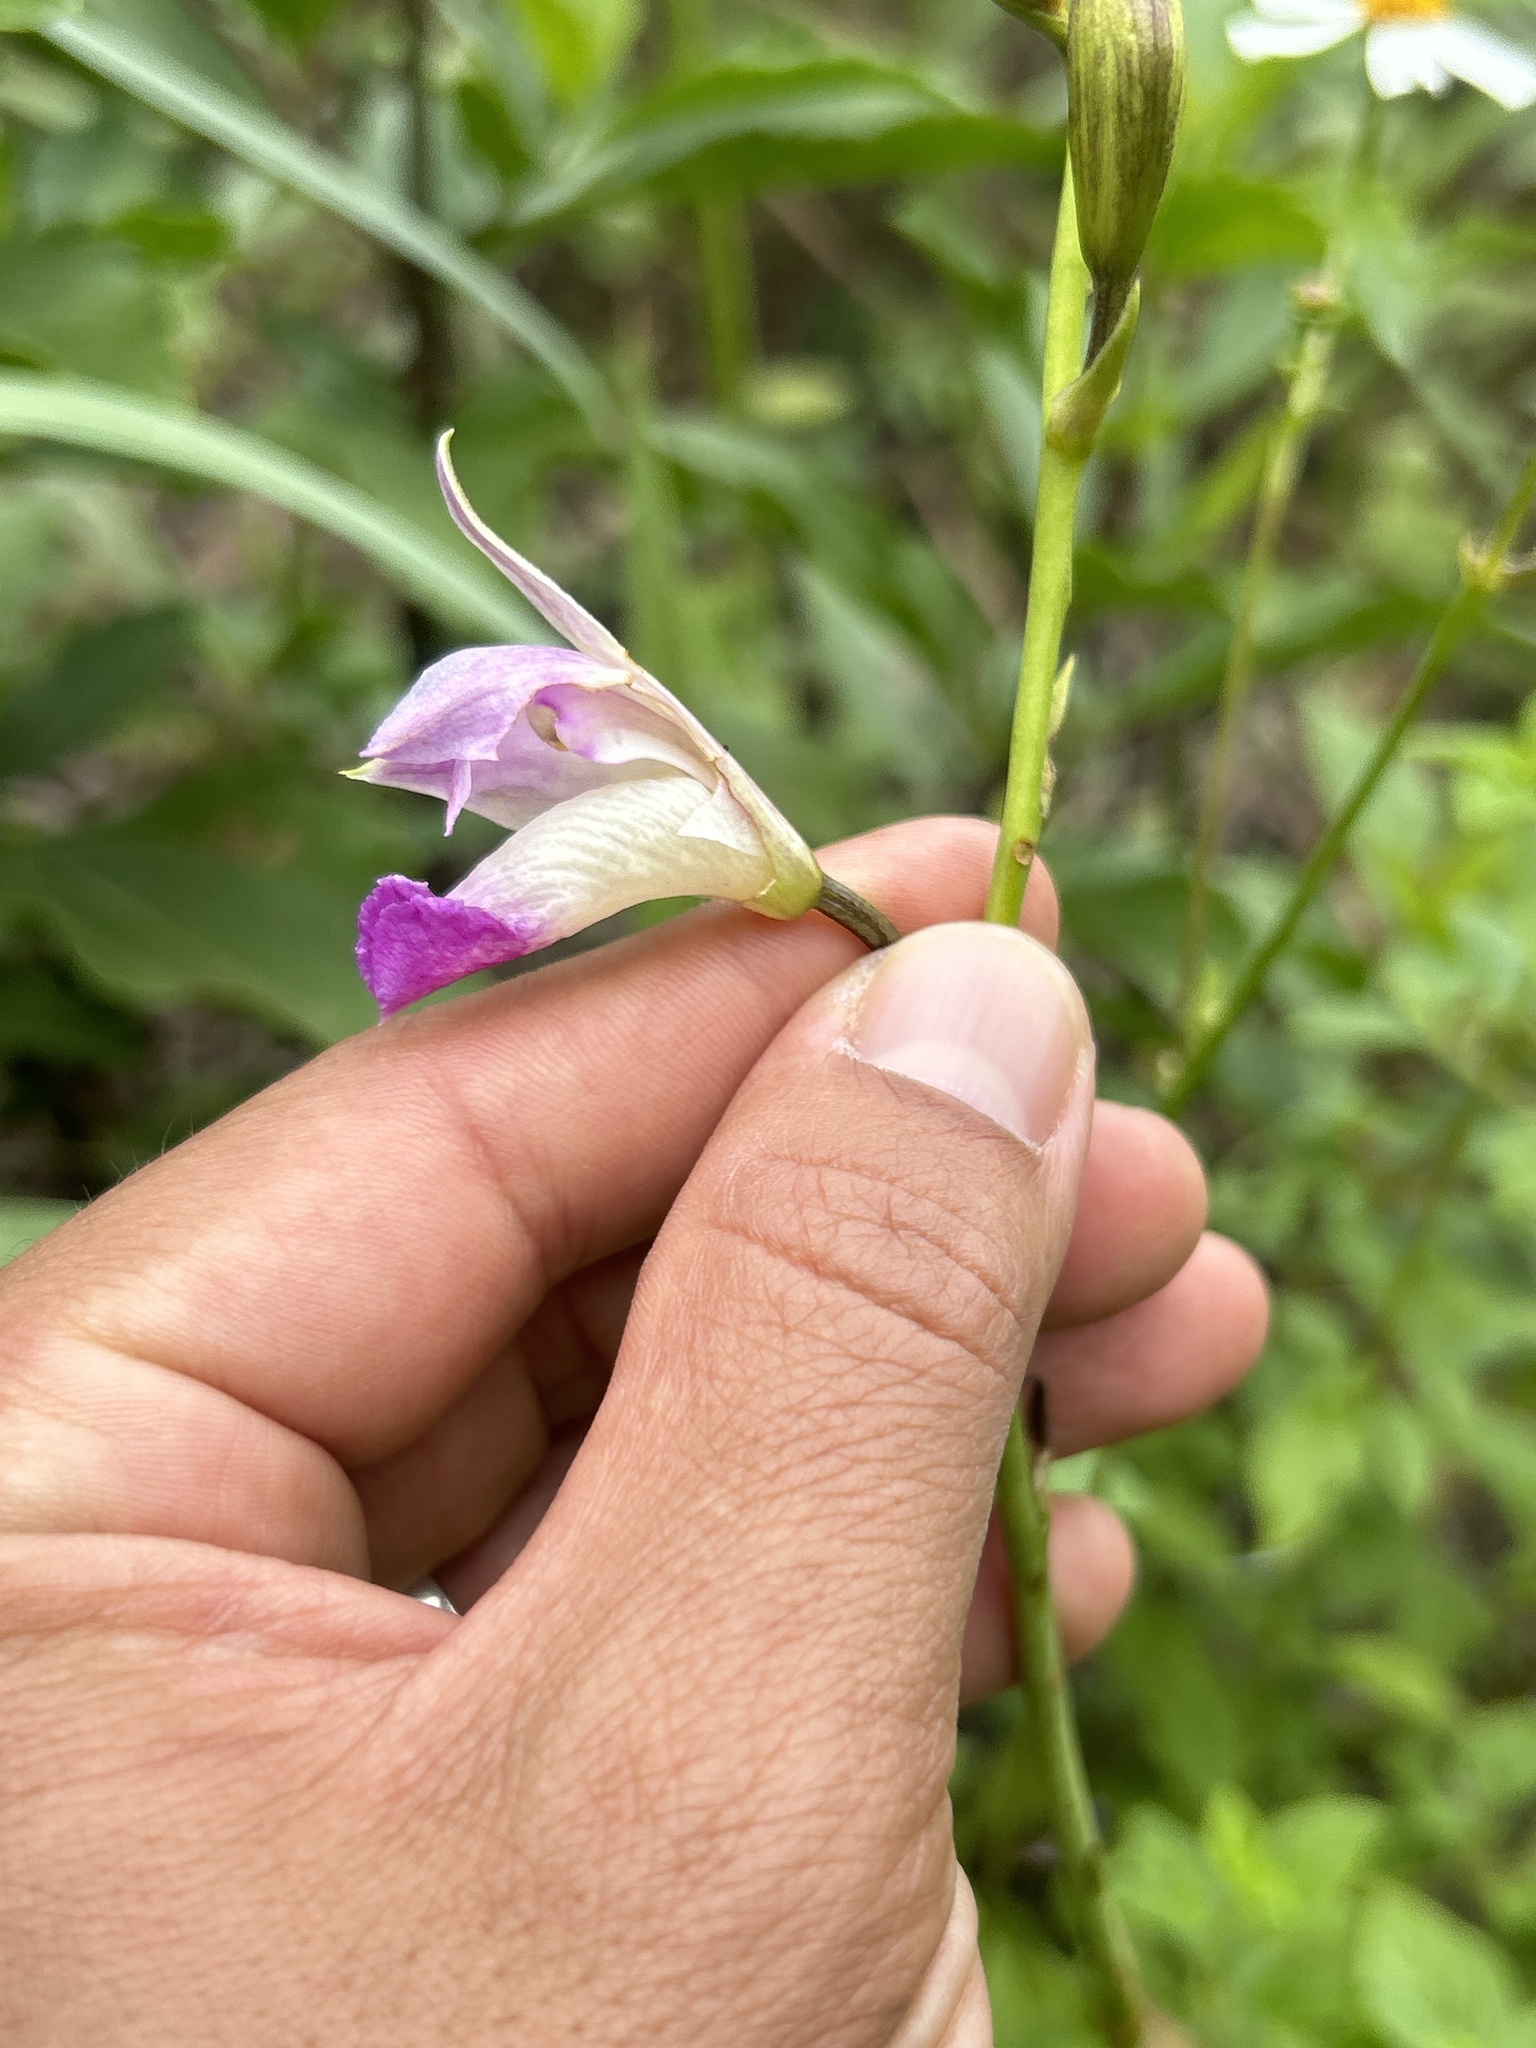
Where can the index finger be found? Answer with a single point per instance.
(345, 1253)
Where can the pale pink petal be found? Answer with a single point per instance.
(619, 726)
(465, 704)
(542, 592)
(460, 789)
(1403, 57)
(1491, 62)
(482, 730)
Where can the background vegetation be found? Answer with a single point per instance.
(783, 266)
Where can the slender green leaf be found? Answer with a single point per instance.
(440, 573)
(71, 301)
(99, 677)
(154, 923)
(743, 128)
(270, 146)
(1223, 222)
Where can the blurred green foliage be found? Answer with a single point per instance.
(781, 273)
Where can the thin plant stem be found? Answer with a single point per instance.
(1305, 384)
(1483, 571)
(1103, 1945)
(1050, 579)
(1318, 307)
(730, 295)
(727, 284)
(428, 376)
(847, 907)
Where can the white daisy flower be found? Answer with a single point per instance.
(1410, 45)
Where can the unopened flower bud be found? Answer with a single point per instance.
(1125, 85)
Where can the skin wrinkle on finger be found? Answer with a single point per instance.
(695, 1391)
(223, 1472)
(703, 1734)
(717, 984)
(687, 1773)
(869, 1358)
(948, 1987)
(442, 1492)
(1138, 1218)
(387, 1379)
(476, 1464)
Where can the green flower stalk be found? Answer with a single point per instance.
(1125, 83)
(1125, 78)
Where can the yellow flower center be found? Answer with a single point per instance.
(1405, 10)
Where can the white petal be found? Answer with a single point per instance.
(1491, 62)
(1346, 14)
(1403, 56)
(723, 819)
(1253, 40)
(542, 592)
(607, 850)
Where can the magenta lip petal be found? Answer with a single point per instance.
(411, 943)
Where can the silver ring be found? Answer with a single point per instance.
(431, 1594)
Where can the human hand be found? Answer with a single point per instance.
(679, 1775)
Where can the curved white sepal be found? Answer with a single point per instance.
(607, 850)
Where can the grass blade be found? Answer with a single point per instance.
(269, 145)
(442, 575)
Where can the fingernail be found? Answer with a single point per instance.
(982, 1013)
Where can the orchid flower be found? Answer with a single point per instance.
(613, 792)
(1410, 45)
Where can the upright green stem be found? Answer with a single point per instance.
(1023, 1495)
(727, 285)
(1104, 1946)
(430, 375)
(1483, 571)
(1305, 385)
(1317, 308)
(730, 294)
(1050, 579)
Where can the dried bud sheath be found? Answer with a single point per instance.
(1125, 83)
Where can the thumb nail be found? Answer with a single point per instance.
(983, 1014)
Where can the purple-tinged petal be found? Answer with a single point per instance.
(542, 592)
(463, 706)
(616, 727)
(459, 792)
(411, 943)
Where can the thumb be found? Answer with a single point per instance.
(830, 1334)
(755, 1578)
